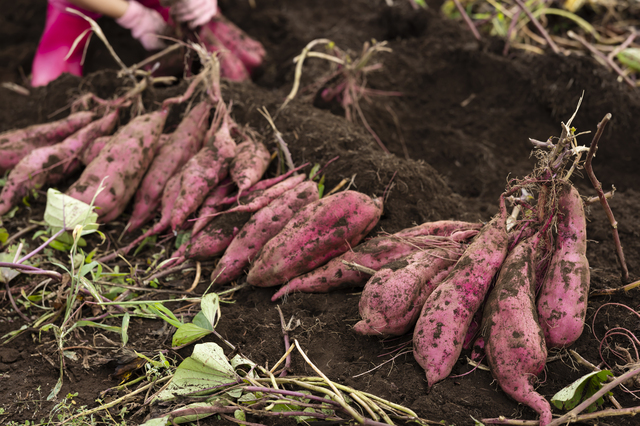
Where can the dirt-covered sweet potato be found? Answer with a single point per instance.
(263, 225)
(124, 161)
(249, 164)
(16, 144)
(206, 169)
(50, 164)
(180, 146)
(514, 343)
(390, 303)
(317, 233)
(562, 300)
(373, 254)
(442, 325)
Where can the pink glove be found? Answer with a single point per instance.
(145, 24)
(195, 12)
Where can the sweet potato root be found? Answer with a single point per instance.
(211, 205)
(249, 164)
(562, 301)
(390, 303)
(206, 169)
(49, 164)
(317, 233)
(262, 226)
(16, 144)
(514, 342)
(447, 313)
(214, 239)
(124, 160)
(180, 146)
(373, 254)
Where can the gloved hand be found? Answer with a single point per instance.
(145, 24)
(195, 12)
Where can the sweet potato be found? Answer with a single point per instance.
(124, 160)
(214, 239)
(16, 144)
(373, 254)
(91, 151)
(183, 144)
(390, 303)
(261, 198)
(248, 50)
(50, 164)
(211, 205)
(562, 301)
(231, 67)
(317, 233)
(263, 184)
(249, 163)
(514, 342)
(262, 226)
(443, 228)
(206, 169)
(445, 317)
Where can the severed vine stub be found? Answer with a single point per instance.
(603, 199)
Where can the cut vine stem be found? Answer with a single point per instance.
(603, 200)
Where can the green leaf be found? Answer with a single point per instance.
(125, 328)
(64, 211)
(188, 333)
(240, 415)
(158, 421)
(4, 235)
(182, 238)
(207, 367)
(7, 274)
(583, 388)
(210, 305)
(201, 321)
(630, 57)
(149, 240)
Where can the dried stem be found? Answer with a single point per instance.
(539, 26)
(467, 20)
(603, 200)
(609, 61)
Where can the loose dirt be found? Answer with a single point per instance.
(457, 133)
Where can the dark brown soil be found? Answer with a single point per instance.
(465, 117)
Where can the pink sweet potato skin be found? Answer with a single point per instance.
(562, 301)
(211, 205)
(231, 67)
(514, 342)
(441, 328)
(205, 170)
(373, 254)
(49, 164)
(213, 240)
(92, 150)
(390, 303)
(16, 144)
(249, 164)
(317, 233)
(124, 160)
(181, 146)
(443, 228)
(249, 51)
(263, 225)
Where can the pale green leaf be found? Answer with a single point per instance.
(569, 397)
(64, 211)
(158, 421)
(188, 333)
(125, 328)
(206, 368)
(210, 305)
(630, 57)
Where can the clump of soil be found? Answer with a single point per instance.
(465, 118)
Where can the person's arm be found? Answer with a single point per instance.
(111, 8)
